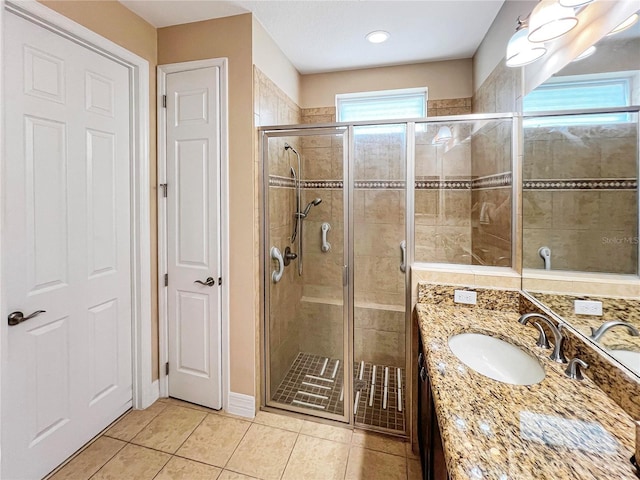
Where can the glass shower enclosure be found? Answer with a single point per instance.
(346, 209)
(335, 277)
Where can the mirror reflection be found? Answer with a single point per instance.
(580, 190)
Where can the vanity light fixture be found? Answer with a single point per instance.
(587, 53)
(443, 136)
(378, 36)
(574, 3)
(550, 20)
(520, 51)
(624, 25)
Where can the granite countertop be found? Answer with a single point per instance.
(556, 429)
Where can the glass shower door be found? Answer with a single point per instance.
(379, 262)
(305, 292)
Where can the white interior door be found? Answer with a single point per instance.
(67, 372)
(193, 206)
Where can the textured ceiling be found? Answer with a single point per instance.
(320, 36)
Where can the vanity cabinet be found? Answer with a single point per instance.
(431, 451)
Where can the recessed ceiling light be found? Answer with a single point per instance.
(378, 36)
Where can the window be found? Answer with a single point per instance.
(382, 105)
(577, 95)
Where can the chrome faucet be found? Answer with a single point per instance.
(557, 355)
(597, 334)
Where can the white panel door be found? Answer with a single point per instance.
(67, 372)
(193, 173)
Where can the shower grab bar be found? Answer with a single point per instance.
(276, 275)
(403, 256)
(326, 246)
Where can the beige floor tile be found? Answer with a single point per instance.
(263, 452)
(133, 463)
(328, 432)
(229, 475)
(181, 403)
(169, 429)
(414, 469)
(279, 421)
(381, 443)
(133, 422)
(317, 459)
(215, 440)
(367, 464)
(90, 460)
(183, 469)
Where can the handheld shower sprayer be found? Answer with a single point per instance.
(313, 203)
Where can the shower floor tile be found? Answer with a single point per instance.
(314, 382)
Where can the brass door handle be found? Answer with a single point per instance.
(209, 282)
(18, 317)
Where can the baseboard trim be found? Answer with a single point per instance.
(242, 405)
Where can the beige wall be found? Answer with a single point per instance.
(448, 79)
(120, 25)
(231, 38)
(493, 47)
(268, 57)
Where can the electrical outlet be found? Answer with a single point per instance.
(464, 296)
(587, 307)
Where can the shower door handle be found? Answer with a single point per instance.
(276, 275)
(403, 256)
(326, 246)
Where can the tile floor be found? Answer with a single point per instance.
(174, 440)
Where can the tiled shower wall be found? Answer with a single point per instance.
(492, 192)
(580, 197)
(273, 106)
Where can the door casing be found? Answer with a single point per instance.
(163, 327)
(145, 391)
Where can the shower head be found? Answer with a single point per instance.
(289, 147)
(313, 203)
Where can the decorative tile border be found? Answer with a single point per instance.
(443, 185)
(277, 181)
(492, 181)
(582, 184)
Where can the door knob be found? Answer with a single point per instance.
(18, 317)
(209, 282)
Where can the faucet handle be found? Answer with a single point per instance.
(574, 367)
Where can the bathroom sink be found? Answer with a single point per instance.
(628, 358)
(496, 359)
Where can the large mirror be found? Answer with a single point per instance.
(580, 195)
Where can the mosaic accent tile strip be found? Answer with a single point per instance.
(305, 384)
(443, 185)
(492, 181)
(582, 184)
(277, 181)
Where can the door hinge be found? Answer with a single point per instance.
(219, 280)
(163, 186)
(166, 279)
(166, 368)
(164, 101)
